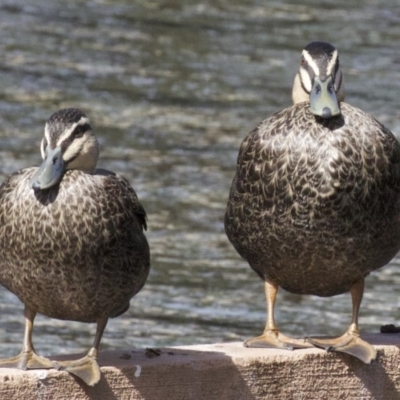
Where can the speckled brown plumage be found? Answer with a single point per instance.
(76, 251)
(314, 205)
(72, 245)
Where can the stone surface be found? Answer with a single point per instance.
(219, 371)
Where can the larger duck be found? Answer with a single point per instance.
(72, 245)
(314, 206)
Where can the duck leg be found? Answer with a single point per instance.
(27, 358)
(350, 342)
(87, 368)
(271, 336)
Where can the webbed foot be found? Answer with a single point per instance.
(27, 360)
(348, 343)
(274, 339)
(85, 368)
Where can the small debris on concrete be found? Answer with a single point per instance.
(390, 328)
(153, 352)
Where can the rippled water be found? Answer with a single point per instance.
(172, 87)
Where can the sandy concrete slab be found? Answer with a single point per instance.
(219, 371)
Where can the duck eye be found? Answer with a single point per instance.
(80, 130)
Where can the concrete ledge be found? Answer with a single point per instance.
(220, 371)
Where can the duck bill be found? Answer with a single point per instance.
(323, 99)
(51, 170)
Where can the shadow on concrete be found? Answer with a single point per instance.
(166, 373)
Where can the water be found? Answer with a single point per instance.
(172, 87)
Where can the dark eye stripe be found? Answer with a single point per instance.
(78, 132)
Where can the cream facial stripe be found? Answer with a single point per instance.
(43, 146)
(74, 149)
(331, 65)
(338, 80)
(305, 80)
(46, 140)
(311, 62)
(67, 133)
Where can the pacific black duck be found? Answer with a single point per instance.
(314, 206)
(72, 241)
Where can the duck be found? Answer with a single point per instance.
(72, 242)
(314, 206)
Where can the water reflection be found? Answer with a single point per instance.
(172, 88)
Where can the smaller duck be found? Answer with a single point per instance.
(314, 206)
(72, 245)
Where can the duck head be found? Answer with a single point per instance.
(68, 143)
(319, 80)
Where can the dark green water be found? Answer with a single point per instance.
(172, 87)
